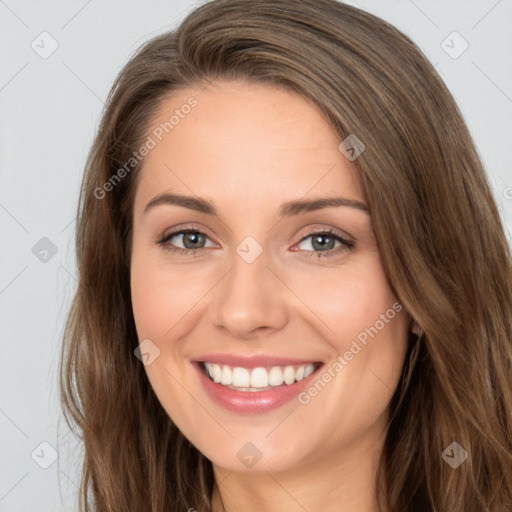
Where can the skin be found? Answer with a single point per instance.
(248, 148)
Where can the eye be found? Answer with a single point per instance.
(192, 239)
(323, 243)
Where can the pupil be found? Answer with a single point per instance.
(316, 240)
(194, 236)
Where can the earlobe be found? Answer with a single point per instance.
(414, 326)
(416, 329)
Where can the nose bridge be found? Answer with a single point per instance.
(249, 296)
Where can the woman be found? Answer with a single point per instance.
(294, 286)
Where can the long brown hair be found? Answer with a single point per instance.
(439, 232)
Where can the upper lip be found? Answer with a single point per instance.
(252, 361)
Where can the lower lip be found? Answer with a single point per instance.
(251, 401)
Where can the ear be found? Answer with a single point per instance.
(416, 329)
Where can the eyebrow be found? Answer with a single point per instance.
(288, 209)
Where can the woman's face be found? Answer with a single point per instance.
(258, 289)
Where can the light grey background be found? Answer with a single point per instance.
(50, 108)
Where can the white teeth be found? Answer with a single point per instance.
(241, 377)
(257, 378)
(289, 375)
(275, 376)
(226, 377)
(216, 373)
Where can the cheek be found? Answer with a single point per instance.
(162, 296)
(367, 329)
(345, 301)
(149, 297)
(162, 302)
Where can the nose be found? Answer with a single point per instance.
(250, 300)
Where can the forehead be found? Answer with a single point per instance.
(236, 139)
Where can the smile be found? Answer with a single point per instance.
(257, 379)
(253, 385)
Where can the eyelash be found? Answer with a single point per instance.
(163, 242)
